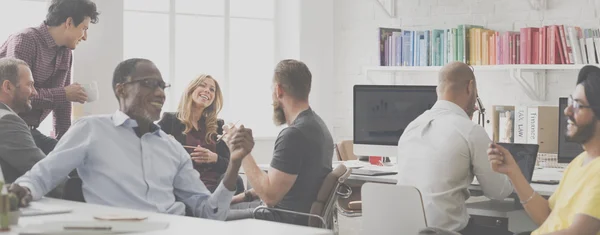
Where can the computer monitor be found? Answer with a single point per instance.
(382, 112)
(567, 150)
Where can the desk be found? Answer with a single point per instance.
(517, 218)
(544, 190)
(177, 224)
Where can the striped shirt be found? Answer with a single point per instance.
(51, 68)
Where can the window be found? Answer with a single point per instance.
(232, 40)
(22, 14)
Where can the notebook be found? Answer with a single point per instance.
(36, 208)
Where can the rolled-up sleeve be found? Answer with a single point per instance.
(190, 190)
(494, 185)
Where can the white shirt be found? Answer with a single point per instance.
(439, 153)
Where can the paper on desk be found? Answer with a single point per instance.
(116, 227)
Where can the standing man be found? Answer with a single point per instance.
(47, 49)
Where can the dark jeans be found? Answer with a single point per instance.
(43, 142)
(475, 229)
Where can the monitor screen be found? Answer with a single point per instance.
(567, 150)
(525, 156)
(381, 113)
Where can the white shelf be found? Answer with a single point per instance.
(480, 67)
(534, 86)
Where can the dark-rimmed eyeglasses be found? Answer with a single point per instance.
(576, 105)
(151, 83)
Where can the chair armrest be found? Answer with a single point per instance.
(355, 205)
(287, 211)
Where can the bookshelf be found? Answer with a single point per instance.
(531, 78)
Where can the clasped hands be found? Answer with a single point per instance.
(239, 140)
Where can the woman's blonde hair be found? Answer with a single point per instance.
(186, 106)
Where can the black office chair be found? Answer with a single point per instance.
(73, 190)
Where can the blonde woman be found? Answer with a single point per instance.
(196, 124)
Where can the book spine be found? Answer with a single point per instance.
(532, 125)
(523, 43)
(520, 132)
(575, 47)
(565, 47)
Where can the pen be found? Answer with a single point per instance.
(221, 137)
(87, 228)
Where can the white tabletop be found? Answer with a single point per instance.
(177, 224)
(539, 174)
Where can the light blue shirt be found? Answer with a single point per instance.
(118, 168)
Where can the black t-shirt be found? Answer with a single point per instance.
(305, 148)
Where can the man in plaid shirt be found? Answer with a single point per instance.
(47, 49)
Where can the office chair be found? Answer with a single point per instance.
(323, 210)
(389, 208)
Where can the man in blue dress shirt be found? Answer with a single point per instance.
(125, 160)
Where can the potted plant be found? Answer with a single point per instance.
(14, 212)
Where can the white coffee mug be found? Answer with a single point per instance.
(91, 89)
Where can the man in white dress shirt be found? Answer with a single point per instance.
(442, 150)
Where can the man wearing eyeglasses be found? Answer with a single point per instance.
(125, 160)
(575, 206)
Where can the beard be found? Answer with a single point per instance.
(278, 114)
(22, 103)
(584, 131)
(142, 111)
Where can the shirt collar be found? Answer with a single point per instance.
(121, 119)
(8, 108)
(43, 28)
(447, 105)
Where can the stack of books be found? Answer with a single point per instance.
(476, 45)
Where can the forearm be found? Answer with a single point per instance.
(230, 178)
(50, 98)
(257, 177)
(537, 207)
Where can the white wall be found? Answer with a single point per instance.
(97, 58)
(356, 24)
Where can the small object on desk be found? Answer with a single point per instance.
(87, 228)
(372, 172)
(551, 182)
(121, 217)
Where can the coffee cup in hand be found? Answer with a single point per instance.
(91, 89)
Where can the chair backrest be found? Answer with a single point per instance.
(345, 151)
(327, 197)
(73, 190)
(392, 209)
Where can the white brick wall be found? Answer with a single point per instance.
(356, 25)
